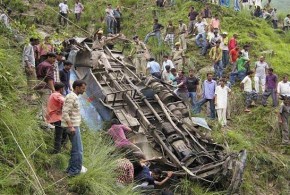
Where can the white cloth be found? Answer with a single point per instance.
(223, 45)
(200, 27)
(258, 3)
(222, 96)
(245, 54)
(286, 22)
(110, 12)
(210, 36)
(283, 88)
(167, 63)
(63, 8)
(247, 81)
(274, 15)
(165, 76)
(28, 55)
(4, 19)
(260, 80)
(78, 8)
(222, 116)
(261, 69)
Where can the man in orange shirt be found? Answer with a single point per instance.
(234, 54)
(54, 115)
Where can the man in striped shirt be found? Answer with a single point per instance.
(72, 120)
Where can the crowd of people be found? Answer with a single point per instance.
(48, 72)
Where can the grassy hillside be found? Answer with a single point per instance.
(268, 163)
(26, 163)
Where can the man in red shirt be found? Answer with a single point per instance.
(54, 116)
(234, 54)
(233, 43)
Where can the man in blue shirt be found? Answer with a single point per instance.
(208, 95)
(156, 32)
(154, 68)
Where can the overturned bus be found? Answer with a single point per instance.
(160, 119)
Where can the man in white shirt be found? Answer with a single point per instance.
(29, 62)
(221, 101)
(78, 10)
(63, 11)
(4, 18)
(246, 86)
(258, 3)
(286, 23)
(283, 88)
(167, 62)
(200, 38)
(261, 68)
(246, 55)
(165, 74)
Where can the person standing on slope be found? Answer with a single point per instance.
(72, 120)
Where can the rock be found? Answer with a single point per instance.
(206, 70)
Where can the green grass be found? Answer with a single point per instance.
(36, 171)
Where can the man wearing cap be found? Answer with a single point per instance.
(139, 60)
(178, 56)
(156, 32)
(182, 33)
(98, 51)
(63, 12)
(225, 49)
(216, 56)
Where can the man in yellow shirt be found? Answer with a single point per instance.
(215, 55)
